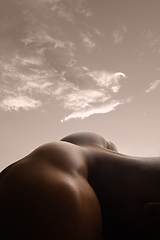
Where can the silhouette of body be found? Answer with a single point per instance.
(80, 188)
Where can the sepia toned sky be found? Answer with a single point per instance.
(79, 65)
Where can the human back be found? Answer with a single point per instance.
(46, 195)
(80, 188)
(127, 188)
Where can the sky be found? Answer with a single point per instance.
(79, 65)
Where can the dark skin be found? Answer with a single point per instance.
(80, 188)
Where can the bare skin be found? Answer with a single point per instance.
(80, 188)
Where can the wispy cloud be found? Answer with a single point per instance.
(80, 7)
(65, 10)
(81, 99)
(19, 102)
(151, 39)
(65, 14)
(99, 33)
(63, 88)
(152, 86)
(41, 66)
(149, 42)
(87, 40)
(85, 103)
(105, 108)
(118, 34)
(108, 80)
(21, 90)
(41, 38)
(91, 93)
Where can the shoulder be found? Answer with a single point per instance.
(48, 163)
(63, 156)
(50, 155)
(47, 196)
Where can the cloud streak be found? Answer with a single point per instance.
(108, 107)
(118, 34)
(153, 86)
(28, 90)
(108, 80)
(19, 102)
(81, 99)
(85, 103)
(87, 41)
(42, 65)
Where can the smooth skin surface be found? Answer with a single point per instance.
(80, 188)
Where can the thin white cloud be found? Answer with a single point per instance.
(149, 43)
(63, 88)
(118, 34)
(31, 61)
(81, 99)
(108, 80)
(99, 33)
(60, 8)
(88, 93)
(150, 38)
(153, 86)
(19, 102)
(24, 91)
(80, 7)
(71, 63)
(41, 66)
(108, 107)
(41, 38)
(118, 37)
(64, 9)
(85, 103)
(48, 1)
(87, 41)
(42, 87)
(66, 14)
(18, 82)
(25, 61)
(45, 43)
(85, 12)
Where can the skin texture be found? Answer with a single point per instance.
(80, 188)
